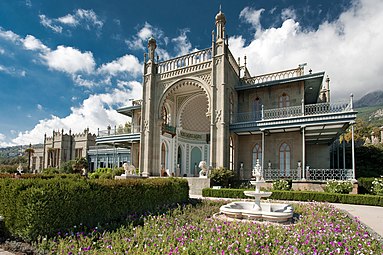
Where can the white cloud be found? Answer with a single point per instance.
(12, 71)
(68, 19)
(87, 19)
(348, 49)
(3, 142)
(182, 43)
(2, 51)
(39, 107)
(128, 63)
(97, 111)
(49, 23)
(288, 13)
(139, 41)
(252, 16)
(70, 60)
(32, 43)
(9, 35)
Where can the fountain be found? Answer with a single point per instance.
(257, 210)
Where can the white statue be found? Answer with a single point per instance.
(204, 170)
(257, 171)
(129, 169)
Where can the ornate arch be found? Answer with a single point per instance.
(195, 82)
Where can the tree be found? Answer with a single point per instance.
(80, 164)
(29, 151)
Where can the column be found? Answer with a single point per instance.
(263, 154)
(353, 151)
(344, 153)
(303, 154)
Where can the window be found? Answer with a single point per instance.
(231, 159)
(231, 107)
(284, 100)
(34, 163)
(257, 154)
(257, 108)
(284, 160)
(163, 156)
(78, 153)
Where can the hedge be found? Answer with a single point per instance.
(42, 207)
(301, 196)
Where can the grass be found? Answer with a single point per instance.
(319, 229)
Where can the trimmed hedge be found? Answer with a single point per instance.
(40, 207)
(301, 196)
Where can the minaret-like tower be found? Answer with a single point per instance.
(325, 92)
(219, 122)
(150, 126)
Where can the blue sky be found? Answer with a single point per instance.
(69, 64)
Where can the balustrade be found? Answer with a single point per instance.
(118, 131)
(184, 61)
(311, 174)
(273, 76)
(291, 111)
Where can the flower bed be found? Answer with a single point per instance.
(319, 229)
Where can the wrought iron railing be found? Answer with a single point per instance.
(311, 174)
(184, 61)
(168, 129)
(292, 111)
(276, 174)
(329, 174)
(273, 76)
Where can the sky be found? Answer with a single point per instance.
(69, 64)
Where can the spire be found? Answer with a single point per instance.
(152, 45)
(220, 21)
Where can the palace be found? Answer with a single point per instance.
(206, 106)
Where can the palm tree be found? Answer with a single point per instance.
(30, 152)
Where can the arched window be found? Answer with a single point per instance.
(231, 159)
(257, 154)
(284, 159)
(284, 100)
(164, 155)
(231, 107)
(257, 108)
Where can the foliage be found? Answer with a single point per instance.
(369, 161)
(8, 168)
(221, 176)
(14, 161)
(38, 207)
(301, 196)
(50, 170)
(67, 167)
(342, 187)
(106, 173)
(377, 186)
(320, 229)
(281, 184)
(365, 185)
(80, 164)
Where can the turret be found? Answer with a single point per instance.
(152, 45)
(220, 21)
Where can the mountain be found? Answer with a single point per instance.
(371, 99)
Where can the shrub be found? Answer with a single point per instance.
(281, 185)
(38, 207)
(342, 187)
(301, 196)
(377, 186)
(365, 185)
(106, 173)
(221, 176)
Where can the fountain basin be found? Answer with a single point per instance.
(260, 194)
(269, 211)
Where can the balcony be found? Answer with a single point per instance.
(196, 61)
(339, 114)
(118, 135)
(168, 129)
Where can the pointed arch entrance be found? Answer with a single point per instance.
(185, 122)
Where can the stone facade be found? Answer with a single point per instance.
(60, 148)
(206, 106)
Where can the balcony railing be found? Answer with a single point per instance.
(168, 129)
(311, 174)
(273, 76)
(118, 131)
(185, 61)
(292, 111)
